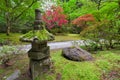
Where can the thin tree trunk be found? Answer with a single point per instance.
(7, 16)
(8, 24)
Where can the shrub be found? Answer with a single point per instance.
(83, 20)
(8, 52)
(102, 33)
(54, 17)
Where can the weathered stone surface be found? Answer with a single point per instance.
(38, 55)
(38, 46)
(37, 14)
(76, 54)
(14, 76)
(38, 68)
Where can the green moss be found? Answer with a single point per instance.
(104, 62)
(13, 38)
(67, 37)
(42, 35)
(71, 70)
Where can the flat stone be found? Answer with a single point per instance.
(76, 54)
(14, 76)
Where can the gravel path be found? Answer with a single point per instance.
(56, 45)
(53, 45)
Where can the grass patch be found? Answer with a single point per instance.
(71, 70)
(67, 37)
(13, 38)
(104, 63)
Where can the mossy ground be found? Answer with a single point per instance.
(104, 63)
(67, 37)
(13, 38)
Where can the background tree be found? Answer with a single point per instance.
(82, 20)
(54, 17)
(47, 4)
(12, 10)
(107, 28)
(76, 8)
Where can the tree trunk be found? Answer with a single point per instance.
(8, 28)
(7, 16)
(8, 24)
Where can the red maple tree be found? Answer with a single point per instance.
(54, 17)
(82, 20)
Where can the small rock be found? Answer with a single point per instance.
(15, 75)
(76, 54)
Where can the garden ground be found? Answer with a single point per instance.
(105, 66)
(14, 38)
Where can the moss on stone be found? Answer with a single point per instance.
(41, 35)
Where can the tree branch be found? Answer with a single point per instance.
(25, 9)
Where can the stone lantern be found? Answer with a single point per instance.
(39, 54)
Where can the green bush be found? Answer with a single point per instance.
(2, 41)
(6, 52)
(103, 34)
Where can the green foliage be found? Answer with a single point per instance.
(107, 11)
(16, 13)
(104, 34)
(6, 52)
(77, 8)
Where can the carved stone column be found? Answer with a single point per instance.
(39, 54)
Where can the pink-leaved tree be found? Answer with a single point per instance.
(54, 17)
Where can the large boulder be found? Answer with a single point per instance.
(76, 54)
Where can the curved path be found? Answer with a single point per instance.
(56, 45)
(53, 45)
